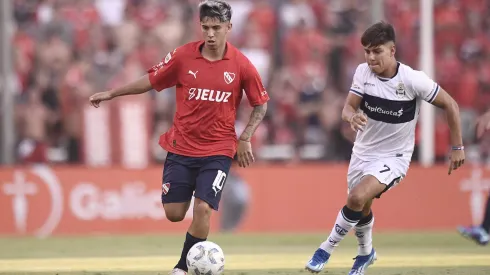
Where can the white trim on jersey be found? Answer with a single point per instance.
(355, 92)
(432, 96)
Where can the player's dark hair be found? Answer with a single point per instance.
(215, 9)
(378, 34)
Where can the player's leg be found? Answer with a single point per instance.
(479, 234)
(486, 220)
(366, 255)
(377, 177)
(387, 173)
(347, 218)
(209, 184)
(364, 231)
(177, 187)
(176, 211)
(322, 254)
(197, 232)
(350, 215)
(179, 177)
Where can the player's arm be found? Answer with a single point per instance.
(444, 101)
(483, 124)
(431, 92)
(142, 85)
(139, 86)
(256, 117)
(257, 97)
(159, 77)
(350, 112)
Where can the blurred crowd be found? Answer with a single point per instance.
(305, 50)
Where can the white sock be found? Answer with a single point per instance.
(364, 234)
(346, 220)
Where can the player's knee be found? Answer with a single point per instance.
(174, 214)
(174, 217)
(356, 201)
(202, 209)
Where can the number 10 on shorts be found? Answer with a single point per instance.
(219, 182)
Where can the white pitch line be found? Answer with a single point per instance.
(233, 262)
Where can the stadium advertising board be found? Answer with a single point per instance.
(43, 201)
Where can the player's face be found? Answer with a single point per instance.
(379, 58)
(214, 32)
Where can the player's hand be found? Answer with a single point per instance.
(483, 124)
(456, 160)
(244, 153)
(97, 98)
(358, 121)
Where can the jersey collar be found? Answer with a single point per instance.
(385, 79)
(229, 54)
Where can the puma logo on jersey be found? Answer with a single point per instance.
(208, 95)
(193, 73)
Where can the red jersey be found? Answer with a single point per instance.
(208, 96)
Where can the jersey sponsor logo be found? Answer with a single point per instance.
(229, 77)
(380, 110)
(355, 87)
(208, 95)
(167, 58)
(156, 68)
(389, 111)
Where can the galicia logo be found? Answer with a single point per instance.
(23, 190)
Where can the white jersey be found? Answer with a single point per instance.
(392, 106)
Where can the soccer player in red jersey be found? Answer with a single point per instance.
(210, 77)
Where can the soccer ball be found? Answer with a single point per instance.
(205, 258)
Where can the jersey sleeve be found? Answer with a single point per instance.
(165, 74)
(252, 85)
(357, 86)
(424, 87)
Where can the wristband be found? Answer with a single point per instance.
(457, 148)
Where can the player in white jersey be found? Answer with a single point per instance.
(382, 107)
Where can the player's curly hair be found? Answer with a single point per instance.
(215, 9)
(378, 34)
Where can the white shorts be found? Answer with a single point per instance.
(389, 171)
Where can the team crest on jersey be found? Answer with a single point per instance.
(165, 188)
(400, 90)
(229, 77)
